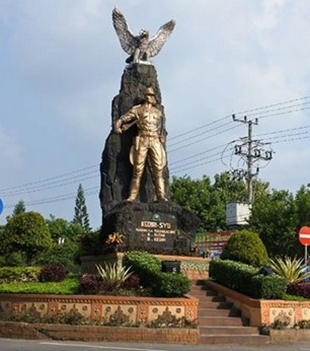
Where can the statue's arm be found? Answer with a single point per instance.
(129, 116)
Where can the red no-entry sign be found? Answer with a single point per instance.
(304, 236)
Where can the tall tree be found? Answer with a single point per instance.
(80, 211)
(19, 208)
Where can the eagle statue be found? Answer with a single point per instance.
(141, 47)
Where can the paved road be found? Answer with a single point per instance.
(37, 345)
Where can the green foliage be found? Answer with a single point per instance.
(66, 287)
(246, 247)
(80, 211)
(14, 259)
(114, 274)
(60, 228)
(247, 280)
(291, 269)
(26, 233)
(65, 254)
(19, 208)
(148, 268)
(274, 217)
(142, 264)
(19, 274)
(206, 200)
(90, 243)
(52, 273)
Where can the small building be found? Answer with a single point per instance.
(238, 213)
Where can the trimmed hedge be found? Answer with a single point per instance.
(148, 268)
(247, 280)
(246, 247)
(19, 274)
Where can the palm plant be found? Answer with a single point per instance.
(114, 274)
(292, 270)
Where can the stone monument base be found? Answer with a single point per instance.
(158, 227)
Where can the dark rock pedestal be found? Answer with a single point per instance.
(159, 227)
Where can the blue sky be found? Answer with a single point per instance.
(61, 65)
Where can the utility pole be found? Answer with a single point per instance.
(250, 155)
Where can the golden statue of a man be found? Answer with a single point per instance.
(148, 143)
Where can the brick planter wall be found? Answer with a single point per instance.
(125, 310)
(93, 333)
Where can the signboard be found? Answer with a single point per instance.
(1, 206)
(157, 231)
(304, 236)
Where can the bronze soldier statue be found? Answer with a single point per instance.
(148, 143)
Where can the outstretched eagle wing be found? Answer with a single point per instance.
(128, 41)
(157, 42)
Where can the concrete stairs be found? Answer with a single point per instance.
(220, 323)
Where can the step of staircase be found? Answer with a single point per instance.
(219, 322)
(219, 312)
(227, 330)
(234, 339)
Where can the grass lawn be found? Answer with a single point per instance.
(66, 287)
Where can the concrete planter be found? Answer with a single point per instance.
(265, 312)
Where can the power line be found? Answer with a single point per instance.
(51, 185)
(242, 112)
(198, 165)
(58, 198)
(282, 131)
(285, 113)
(197, 135)
(200, 140)
(47, 179)
(193, 162)
(199, 154)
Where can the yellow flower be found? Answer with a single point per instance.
(115, 239)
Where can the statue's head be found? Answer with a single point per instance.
(149, 95)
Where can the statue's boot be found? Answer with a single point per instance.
(160, 189)
(134, 189)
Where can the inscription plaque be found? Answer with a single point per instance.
(156, 231)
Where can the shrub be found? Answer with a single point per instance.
(247, 280)
(148, 268)
(52, 273)
(292, 270)
(19, 274)
(171, 285)
(142, 264)
(64, 255)
(246, 247)
(132, 282)
(299, 289)
(90, 284)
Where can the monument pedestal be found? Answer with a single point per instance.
(158, 227)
